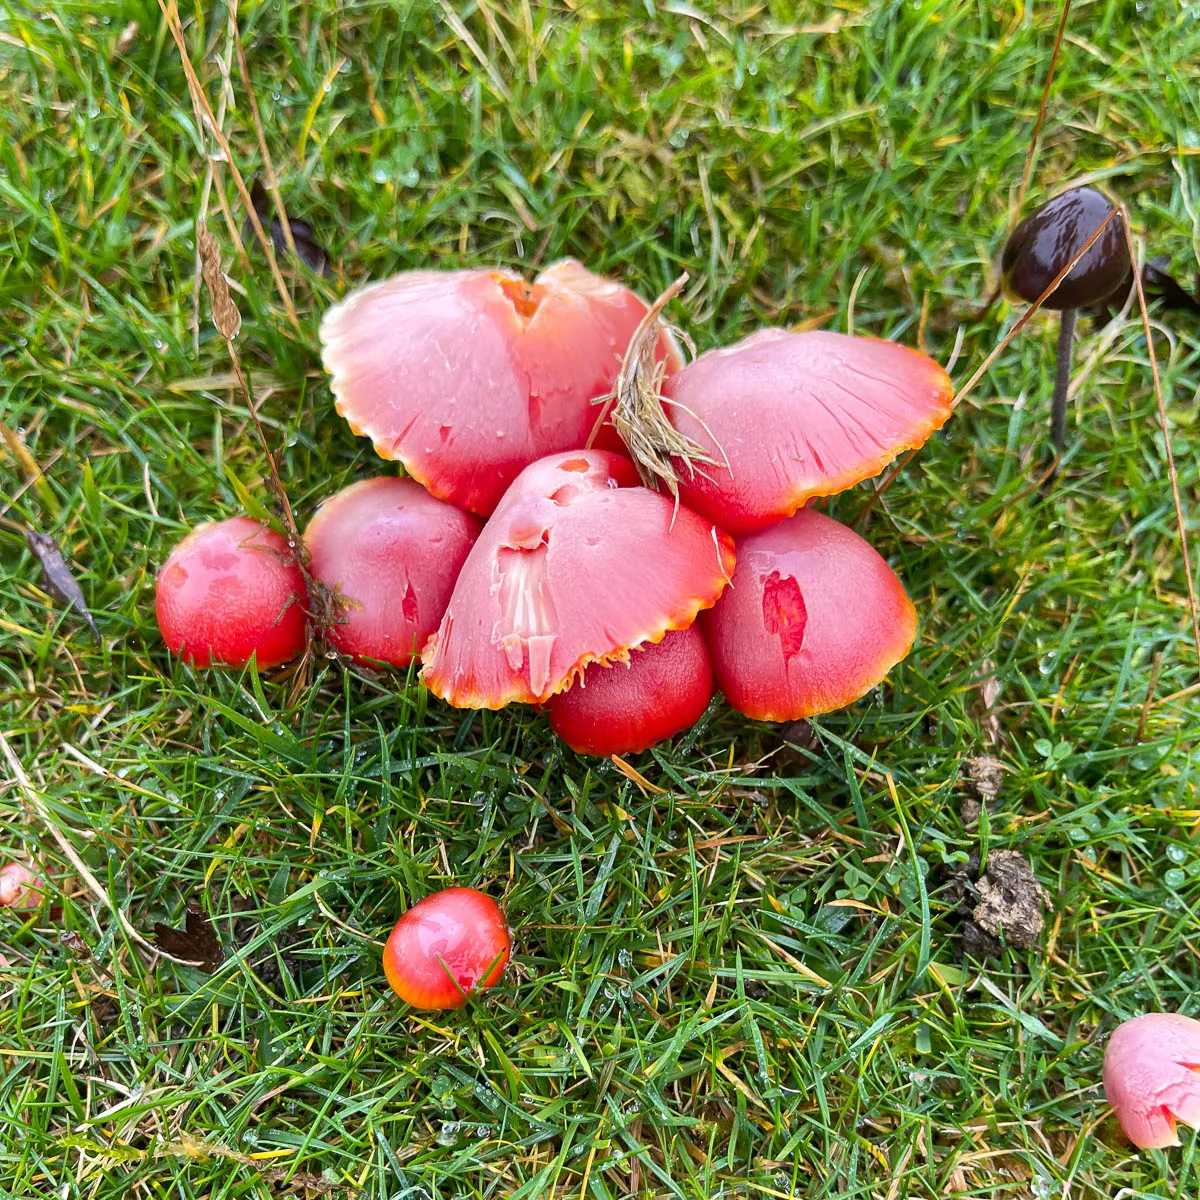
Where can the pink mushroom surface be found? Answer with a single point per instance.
(21, 889)
(1152, 1077)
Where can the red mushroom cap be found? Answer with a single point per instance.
(229, 591)
(445, 947)
(797, 415)
(392, 552)
(621, 709)
(577, 565)
(21, 888)
(466, 377)
(1152, 1077)
(814, 619)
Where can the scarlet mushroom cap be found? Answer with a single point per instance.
(789, 416)
(1152, 1077)
(813, 620)
(663, 689)
(445, 947)
(392, 553)
(21, 888)
(578, 564)
(466, 377)
(231, 590)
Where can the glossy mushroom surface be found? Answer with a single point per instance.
(578, 564)
(467, 377)
(662, 690)
(790, 416)
(230, 591)
(391, 553)
(813, 619)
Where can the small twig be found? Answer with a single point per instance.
(35, 802)
(1172, 475)
(1031, 154)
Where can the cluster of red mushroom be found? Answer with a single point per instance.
(524, 560)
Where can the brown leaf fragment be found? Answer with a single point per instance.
(225, 313)
(75, 944)
(57, 576)
(1010, 901)
(196, 941)
(308, 250)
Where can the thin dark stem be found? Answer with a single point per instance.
(1062, 381)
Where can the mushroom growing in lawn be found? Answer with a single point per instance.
(1152, 1077)
(1040, 247)
(231, 591)
(445, 947)
(466, 377)
(578, 564)
(390, 552)
(813, 619)
(783, 417)
(21, 888)
(621, 709)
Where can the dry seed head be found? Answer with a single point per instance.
(225, 314)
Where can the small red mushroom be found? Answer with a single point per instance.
(391, 552)
(663, 689)
(1152, 1077)
(789, 416)
(466, 377)
(445, 947)
(579, 564)
(231, 591)
(21, 888)
(814, 619)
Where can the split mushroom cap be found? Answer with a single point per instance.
(790, 416)
(445, 947)
(1152, 1077)
(1046, 240)
(627, 707)
(391, 553)
(578, 564)
(466, 377)
(230, 591)
(814, 618)
(21, 888)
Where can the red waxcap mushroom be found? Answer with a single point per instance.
(391, 553)
(813, 619)
(445, 947)
(1152, 1077)
(578, 564)
(663, 689)
(788, 416)
(229, 591)
(466, 377)
(21, 889)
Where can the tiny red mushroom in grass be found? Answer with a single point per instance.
(229, 592)
(390, 553)
(21, 888)
(578, 564)
(813, 620)
(788, 416)
(466, 377)
(1152, 1077)
(662, 690)
(445, 947)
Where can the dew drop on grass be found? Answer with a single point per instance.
(1174, 878)
(1177, 853)
(380, 175)
(1047, 661)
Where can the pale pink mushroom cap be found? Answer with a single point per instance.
(1152, 1077)
(20, 888)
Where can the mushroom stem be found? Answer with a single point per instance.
(1062, 381)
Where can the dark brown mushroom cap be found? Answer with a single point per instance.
(1046, 240)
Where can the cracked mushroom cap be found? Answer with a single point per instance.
(467, 377)
(813, 619)
(790, 416)
(578, 564)
(1152, 1077)
(391, 553)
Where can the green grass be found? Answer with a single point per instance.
(655, 1037)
